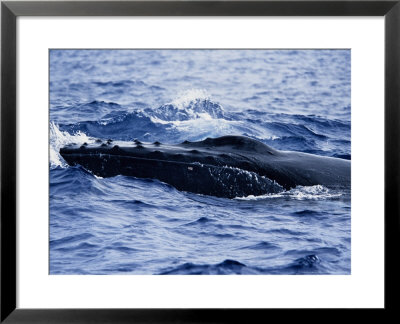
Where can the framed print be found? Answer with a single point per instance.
(190, 161)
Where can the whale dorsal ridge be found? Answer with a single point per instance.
(241, 143)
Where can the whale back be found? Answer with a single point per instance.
(233, 143)
(226, 166)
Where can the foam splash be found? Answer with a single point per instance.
(59, 139)
(193, 115)
(316, 192)
(189, 105)
(184, 98)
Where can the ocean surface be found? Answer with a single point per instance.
(294, 100)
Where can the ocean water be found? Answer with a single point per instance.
(294, 100)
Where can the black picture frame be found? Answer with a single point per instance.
(10, 10)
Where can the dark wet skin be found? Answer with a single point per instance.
(228, 166)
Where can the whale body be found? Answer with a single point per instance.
(228, 166)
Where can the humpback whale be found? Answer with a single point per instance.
(228, 166)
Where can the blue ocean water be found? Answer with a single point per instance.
(296, 100)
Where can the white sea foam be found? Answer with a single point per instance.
(299, 193)
(59, 139)
(189, 104)
(186, 97)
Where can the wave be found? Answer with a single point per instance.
(226, 267)
(304, 265)
(81, 112)
(59, 139)
(190, 104)
(201, 221)
(191, 116)
(263, 245)
(71, 239)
